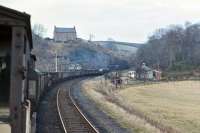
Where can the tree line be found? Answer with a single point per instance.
(175, 48)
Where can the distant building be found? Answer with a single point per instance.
(64, 34)
(146, 73)
(131, 74)
(72, 67)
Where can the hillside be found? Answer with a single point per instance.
(124, 50)
(120, 46)
(136, 45)
(87, 54)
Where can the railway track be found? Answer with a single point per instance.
(71, 118)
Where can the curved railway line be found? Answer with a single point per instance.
(71, 118)
(58, 112)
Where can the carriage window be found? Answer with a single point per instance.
(5, 61)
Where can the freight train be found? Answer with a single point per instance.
(21, 87)
(40, 83)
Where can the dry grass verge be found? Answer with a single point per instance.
(124, 117)
(165, 107)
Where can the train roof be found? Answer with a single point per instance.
(18, 16)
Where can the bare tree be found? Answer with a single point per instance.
(39, 30)
(175, 47)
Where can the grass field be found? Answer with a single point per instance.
(173, 104)
(170, 106)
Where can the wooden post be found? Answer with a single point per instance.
(16, 83)
(26, 115)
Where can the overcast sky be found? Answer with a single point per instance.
(121, 20)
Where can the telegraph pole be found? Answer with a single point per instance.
(91, 36)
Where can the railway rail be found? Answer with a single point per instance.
(71, 118)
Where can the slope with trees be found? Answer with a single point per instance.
(175, 48)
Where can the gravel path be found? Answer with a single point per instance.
(102, 121)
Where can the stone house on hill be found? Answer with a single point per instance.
(64, 34)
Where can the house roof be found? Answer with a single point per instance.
(64, 30)
(146, 68)
(21, 16)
